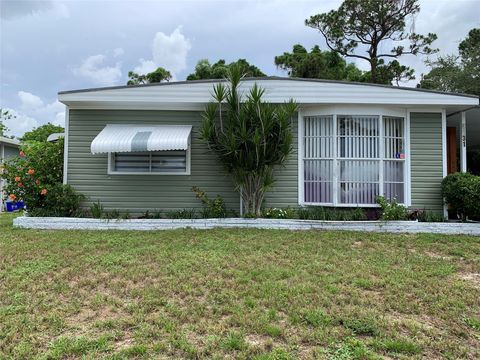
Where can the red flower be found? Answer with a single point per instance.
(20, 185)
(31, 172)
(17, 178)
(43, 192)
(12, 197)
(21, 153)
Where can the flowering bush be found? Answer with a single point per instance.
(35, 177)
(391, 209)
(278, 213)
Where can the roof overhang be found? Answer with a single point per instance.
(136, 138)
(9, 141)
(193, 95)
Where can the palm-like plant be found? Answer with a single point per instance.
(249, 136)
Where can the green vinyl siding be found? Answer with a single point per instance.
(87, 173)
(426, 160)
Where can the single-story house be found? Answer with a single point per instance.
(8, 148)
(137, 148)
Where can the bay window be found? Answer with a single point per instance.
(352, 159)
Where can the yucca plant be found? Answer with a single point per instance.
(249, 136)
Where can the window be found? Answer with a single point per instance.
(351, 159)
(152, 162)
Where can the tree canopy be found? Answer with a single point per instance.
(317, 64)
(330, 65)
(41, 133)
(362, 28)
(458, 73)
(159, 75)
(220, 69)
(5, 115)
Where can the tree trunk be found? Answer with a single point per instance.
(373, 70)
(252, 194)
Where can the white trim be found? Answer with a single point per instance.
(463, 143)
(335, 160)
(9, 141)
(408, 161)
(346, 109)
(301, 170)
(381, 140)
(187, 166)
(435, 110)
(65, 145)
(444, 152)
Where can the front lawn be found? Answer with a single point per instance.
(260, 294)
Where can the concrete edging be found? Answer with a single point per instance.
(59, 223)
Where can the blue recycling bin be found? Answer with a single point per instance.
(13, 206)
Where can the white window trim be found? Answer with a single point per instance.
(334, 112)
(65, 145)
(187, 172)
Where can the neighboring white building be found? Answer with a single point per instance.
(8, 148)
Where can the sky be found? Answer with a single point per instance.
(48, 46)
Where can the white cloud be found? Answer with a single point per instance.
(94, 69)
(145, 67)
(29, 101)
(59, 119)
(19, 123)
(168, 51)
(118, 52)
(34, 112)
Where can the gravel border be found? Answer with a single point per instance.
(58, 223)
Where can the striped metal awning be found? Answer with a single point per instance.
(129, 138)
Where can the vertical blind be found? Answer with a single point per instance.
(353, 169)
(150, 162)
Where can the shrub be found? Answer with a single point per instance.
(60, 200)
(391, 210)
(215, 208)
(156, 214)
(279, 213)
(462, 192)
(181, 214)
(325, 213)
(426, 216)
(111, 215)
(33, 174)
(96, 210)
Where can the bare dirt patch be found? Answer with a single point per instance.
(260, 341)
(472, 278)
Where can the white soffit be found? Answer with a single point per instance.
(131, 138)
(187, 94)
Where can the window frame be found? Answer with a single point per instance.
(334, 112)
(187, 171)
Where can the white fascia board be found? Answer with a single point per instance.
(190, 95)
(5, 140)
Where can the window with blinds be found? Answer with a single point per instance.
(152, 162)
(353, 159)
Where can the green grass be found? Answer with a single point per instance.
(246, 294)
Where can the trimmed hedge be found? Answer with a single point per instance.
(462, 192)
